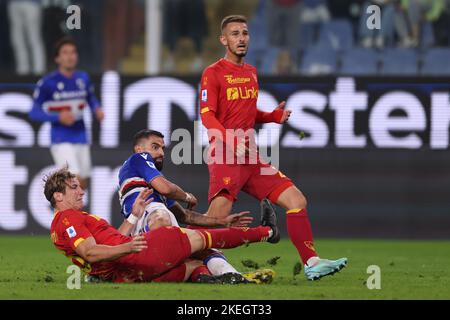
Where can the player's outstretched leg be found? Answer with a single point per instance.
(234, 236)
(300, 233)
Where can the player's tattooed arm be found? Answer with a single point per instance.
(191, 217)
(173, 191)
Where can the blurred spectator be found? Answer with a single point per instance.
(25, 19)
(284, 23)
(385, 35)
(313, 14)
(54, 25)
(6, 58)
(87, 38)
(285, 64)
(184, 19)
(314, 11)
(123, 22)
(433, 11)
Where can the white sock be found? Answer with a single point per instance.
(218, 266)
(312, 261)
(270, 233)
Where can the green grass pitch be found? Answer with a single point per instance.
(31, 268)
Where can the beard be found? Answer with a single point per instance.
(159, 164)
(241, 54)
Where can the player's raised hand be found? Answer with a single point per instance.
(141, 202)
(66, 117)
(284, 114)
(240, 219)
(137, 244)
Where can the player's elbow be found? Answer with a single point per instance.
(167, 189)
(90, 258)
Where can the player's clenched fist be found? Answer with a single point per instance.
(137, 244)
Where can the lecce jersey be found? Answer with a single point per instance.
(55, 93)
(231, 91)
(136, 173)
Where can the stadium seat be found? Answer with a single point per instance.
(337, 34)
(259, 35)
(427, 36)
(318, 60)
(269, 60)
(399, 61)
(435, 62)
(359, 61)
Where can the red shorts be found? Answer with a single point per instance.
(168, 248)
(259, 180)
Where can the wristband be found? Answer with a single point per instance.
(132, 219)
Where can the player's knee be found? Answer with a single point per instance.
(298, 201)
(196, 239)
(159, 219)
(220, 206)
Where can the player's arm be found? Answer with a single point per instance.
(147, 170)
(127, 226)
(209, 101)
(40, 95)
(94, 104)
(279, 115)
(173, 191)
(191, 217)
(92, 252)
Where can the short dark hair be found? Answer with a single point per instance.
(62, 42)
(56, 182)
(232, 18)
(145, 134)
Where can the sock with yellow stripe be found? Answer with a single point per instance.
(234, 237)
(300, 233)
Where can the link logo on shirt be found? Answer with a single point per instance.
(242, 93)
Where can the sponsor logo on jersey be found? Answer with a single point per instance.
(234, 93)
(231, 80)
(204, 95)
(71, 232)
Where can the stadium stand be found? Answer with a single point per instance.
(399, 61)
(359, 61)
